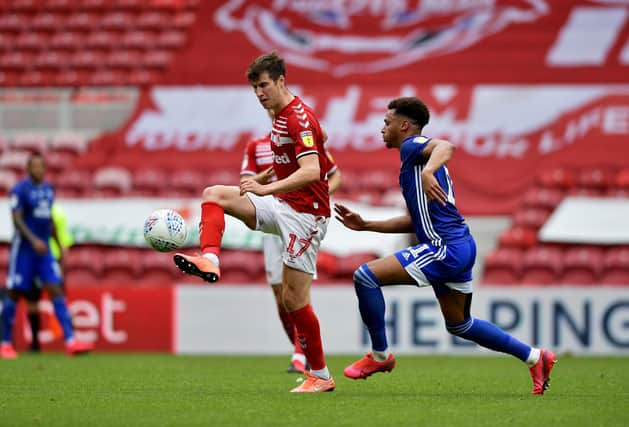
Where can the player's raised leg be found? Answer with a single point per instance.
(368, 279)
(217, 201)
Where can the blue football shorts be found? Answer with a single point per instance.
(27, 270)
(442, 267)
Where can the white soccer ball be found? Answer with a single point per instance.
(165, 230)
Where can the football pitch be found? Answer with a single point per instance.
(50, 389)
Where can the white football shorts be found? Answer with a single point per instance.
(301, 233)
(273, 248)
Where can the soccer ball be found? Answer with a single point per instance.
(165, 230)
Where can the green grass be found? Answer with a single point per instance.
(163, 390)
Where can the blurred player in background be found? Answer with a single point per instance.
(257, 164)
(443, 258)
(295, 207)
(59, 251)
(31, 259)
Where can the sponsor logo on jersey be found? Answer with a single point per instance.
(369, 36)
(307, 138)
(282, 159)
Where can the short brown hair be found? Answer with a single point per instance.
(412, 108)
(270, 63)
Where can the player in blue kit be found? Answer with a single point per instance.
(443, 258)
(31, 259)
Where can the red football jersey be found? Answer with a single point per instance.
(296, 133)
(259, 157)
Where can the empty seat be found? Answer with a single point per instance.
(88, 59)
(13, 22)
(7, 41)
(530, 218)
(121, 266)
(117, 21)
(140, 76)
(380, 180)
(242, 266)
(16, 60)
(518, 237)
(14, 160)
(68, 142)
(582, 266)
(81, 21)
(187, 183)
(52, 59)
(158, 268)
(541, 266)
(73, 183)
(83, 266)
(183, 20)
(223, 176)
(542, 197)
(112, 181)
(7, 181)
(125, 59)
(46, 21)
(503, 266)
(30, 41)
(157, 58)
(594, 178)
(560, 178)
(149, 182)
(153, 20)
(31, 142)
(106, 77)
(171, 39)
(67, 40)
(102, 40)
(137, 40)
(616, 266)
(57, 162)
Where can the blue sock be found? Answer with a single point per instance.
(63, 316)
(371, 305)
(8, 319)
(490, 336)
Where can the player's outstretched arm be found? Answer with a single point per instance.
(352, 220)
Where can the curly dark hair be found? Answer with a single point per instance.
(412, 108)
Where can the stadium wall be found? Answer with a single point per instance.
(198, 319)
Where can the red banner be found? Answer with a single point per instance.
(375, 42)
(113, 318)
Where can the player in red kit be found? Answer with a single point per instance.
(295, 207)
(257, 164)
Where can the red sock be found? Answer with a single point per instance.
(211, 227)
(291, 331)
(309, 336)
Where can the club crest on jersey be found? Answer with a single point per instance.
(345, 37)
(307, 138)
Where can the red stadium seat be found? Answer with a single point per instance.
(616, 266)
(620, 184)
(380, 180)
(7, 181)
(560, 178)
(582, 266)
(16, 60)
(183, 20)
(138, 40)
(34, 78)
(7, 41)
(30, 41)
(122, 266)
(66, 40)
(595, 178)
(530, 218)
(326, 263)
(28, 6)
(95, 5)
(127, 4)
(82, 21)
(107, 77)
(187, 183)
(518, 237)
(88, 59)
(46, 21)
(544, 198)
(117, 21)
(73, 183)
(541, 266)
(31, 142)
(157, 58)
(124, 59)
(158, 269)
(71, 143)
(503, 266)
(149, 182)
(140, 77)
(242, 266)
(346, 265)
(62, 6)
(14, 160)
(13, 22)
(153, 20)
(102, 40)
(171, 39)
(84, 266)
(57, 162)
(52, 59)
(112, 181)
(223, 176)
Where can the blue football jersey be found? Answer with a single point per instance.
(35, 202)
(433, 223)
